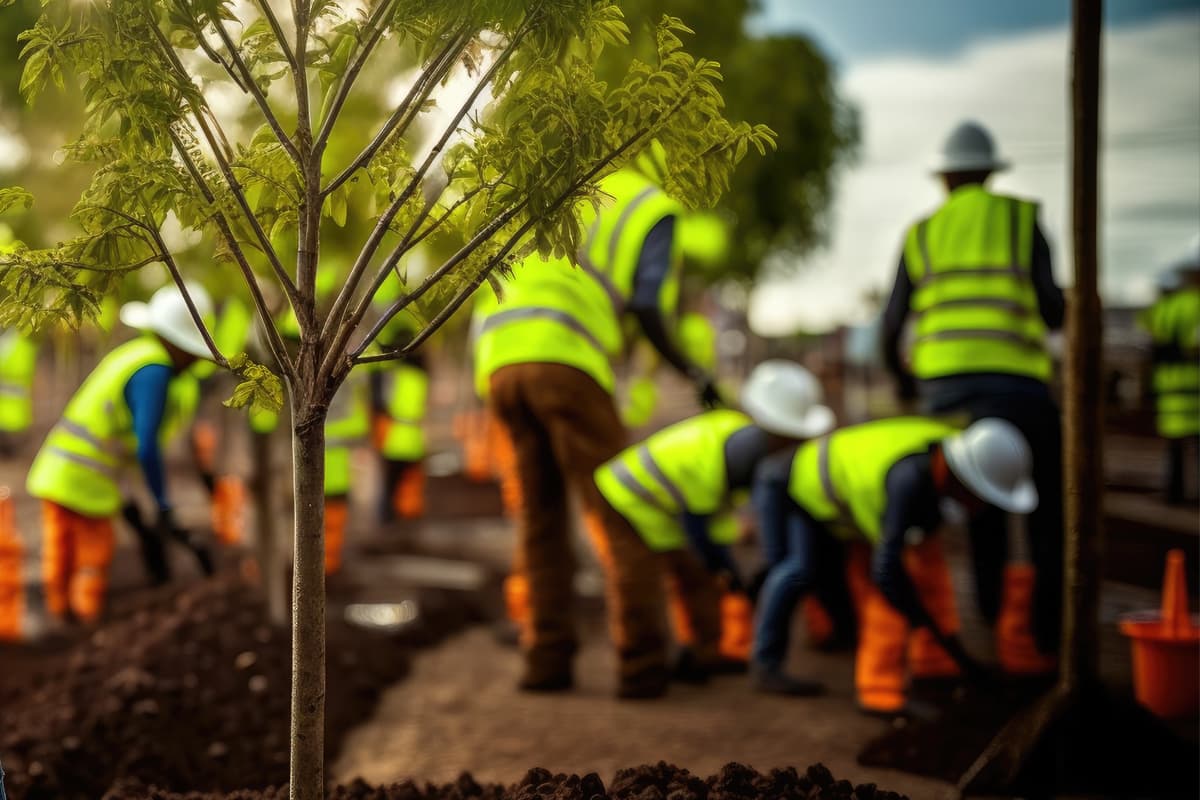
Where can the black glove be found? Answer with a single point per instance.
(151, 545)
(906, 386)
(706, 392)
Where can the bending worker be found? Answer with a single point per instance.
(976, 279)
(544, 358)
(887, 482)
(1174, 324)
(670, 487)
(116, 416)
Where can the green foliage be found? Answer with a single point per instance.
(258, 390)
(13, 197)
(198, 117)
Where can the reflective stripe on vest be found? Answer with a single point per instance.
(974, 304)
(79, 463)
(680, 469)
(841, 478)
(569, 313)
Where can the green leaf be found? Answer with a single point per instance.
(13, 197)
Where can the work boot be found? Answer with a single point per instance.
(546, 673)
(773, 680)
(647, 684)
(911, 711)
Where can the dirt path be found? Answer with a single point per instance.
(459, 710)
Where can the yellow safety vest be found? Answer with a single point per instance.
(840, 479)
(230, 335)
(974, 301)
(1175, 320)
(18, 363)
(406, 392)
(80, 462)
(680, 469)
(347, 425)
(555, 312)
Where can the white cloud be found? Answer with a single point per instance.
(1019, 87)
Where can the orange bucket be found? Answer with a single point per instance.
(1166, 648)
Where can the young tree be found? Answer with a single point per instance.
(164, 82)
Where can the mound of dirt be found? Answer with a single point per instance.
(191, 694)
(658, 782)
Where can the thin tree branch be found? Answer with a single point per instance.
(274, 342)
(252, 87)
(374, 33)
(264, 7)
(197, 318)
(408, 108)
(231, 180)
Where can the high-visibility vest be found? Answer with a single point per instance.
(18, 363)
(406, 393)
(555, 312)
(680, 469)
(840, 479)
(641, 400)
(230, 334)
(80, 462)
(1175, 320)
(347, 425)
(975, 305)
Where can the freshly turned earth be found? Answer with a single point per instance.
(658, 782)
(190, 691)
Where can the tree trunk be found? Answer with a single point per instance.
(270, 565)
(1084, 475)
(308, 609)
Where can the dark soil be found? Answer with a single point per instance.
(659, 782)
(188, 692)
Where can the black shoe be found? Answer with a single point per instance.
(689, 669)
(647, 685)
(773, 680)
(912, 711)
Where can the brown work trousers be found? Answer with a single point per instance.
(563, 425)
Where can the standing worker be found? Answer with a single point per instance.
(544, 358)
(1174, 324)
(670, 488)
(976, 278)
(399, 396)
(114, 417)
(886, 482)
(18, 363)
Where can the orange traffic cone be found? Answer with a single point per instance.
(12, 596)
(1166, 648)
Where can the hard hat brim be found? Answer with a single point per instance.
(817, 422)
(945, 166)
(140, 316)
(1022, 499)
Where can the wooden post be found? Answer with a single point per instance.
(1083, 462)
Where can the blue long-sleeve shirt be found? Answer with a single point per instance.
(146, 395)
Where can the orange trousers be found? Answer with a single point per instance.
(408, 492)
(228, 509)
(888, 650)
(337, 513)
(12, 594)
(76, 553)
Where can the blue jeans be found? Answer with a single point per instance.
(788, 536)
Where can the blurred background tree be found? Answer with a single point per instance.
(779, 203)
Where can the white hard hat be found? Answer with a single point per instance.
(992, 460)
(783, 397)
(968, 148)
(167, 315)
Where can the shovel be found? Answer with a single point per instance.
(152, 546)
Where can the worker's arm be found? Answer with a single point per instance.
(911, 503)
(653, 268)
(146, 395)
(891, 330)
(1051, 303)
(716, 557)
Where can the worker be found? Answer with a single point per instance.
(976, 279)
(1174, 325)
(669, 488)
(887, 482)
(698, 342)
(399, 396)
(114, 417)
(544, 358)
(18, 362)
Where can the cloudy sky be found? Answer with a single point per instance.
(916, 68)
